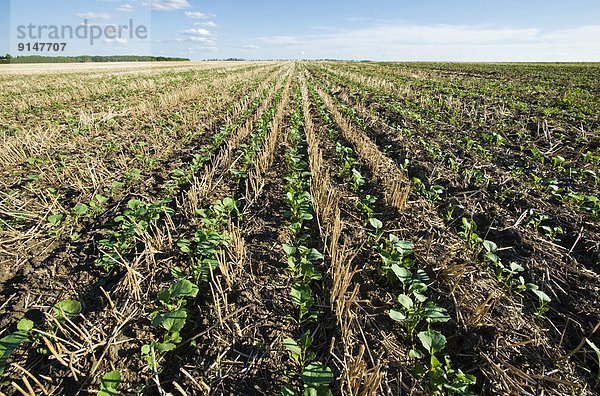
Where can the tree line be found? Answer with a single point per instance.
(85, 59)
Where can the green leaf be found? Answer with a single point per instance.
(419, 297)
(185, 245)
(134, 204)
(397, 315)
(314, 255)
(403, 247)
(67, 309)
(402, 273)
(292, 346)
(287, 391)
(306, 216)
(25, 325)
(515, 267)
(109, 385)
(184, 288)
(55, 219)
(405, 301)
(165, 347)
(302, 295)
(490, 246)
(317, 375)
(466, 223)
(171, 321)
(375, 223)
(540, 294)
(433, 341)
(435, 314)
(317, 391)
(81, 209)
(101, 199)
(229, 203)
(289, 249)
(306, 339)
(12, 341)
(164, 296)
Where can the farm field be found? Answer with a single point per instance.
(300, 228)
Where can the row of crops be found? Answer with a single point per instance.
(310, 228)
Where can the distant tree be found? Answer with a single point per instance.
(85, 58)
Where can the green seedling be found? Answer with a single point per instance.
(453, 163)
(392, 251)
(56, 219)
(443, 379)
(133, 225)
(357, 180)
(133, 174)
(172, 317)
(81, 209)
(34, 161)
(110, 383)
(302, 297)
(414, 309)
(503, 273)
(346, 157)
(451, 210)
(209, 241)
(247, 152)
(301, 262)
(366, 205)
(558, 163)
(476, 177)
(67, 310)
(299, 351)
(497, 139)
(11, 342)
(316, 378)
(469, 235)
(55, 222)
(204, 250)
(536, 218)
(97, 203)
(378, 226)
(404, 166)
(543, 298)
(553, 233)
(434, 193)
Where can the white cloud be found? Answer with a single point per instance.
(250, 46)
(202, 48)
(93, 15)
(197, 32)
(196, 15)
(205, 40)
(126, 8)
(167, 5)
(209, 24)
(402, 41)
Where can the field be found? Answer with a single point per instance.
(316, 228)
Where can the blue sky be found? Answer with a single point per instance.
(461, 30)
